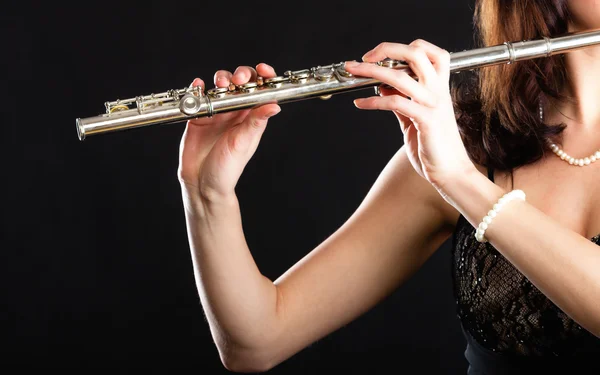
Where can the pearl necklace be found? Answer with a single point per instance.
(569, 159)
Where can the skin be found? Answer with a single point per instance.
(257, 323)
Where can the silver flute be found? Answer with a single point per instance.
(179, 105)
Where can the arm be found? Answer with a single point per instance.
(257, 323)
(561, 263)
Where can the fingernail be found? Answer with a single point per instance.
(356, 103)
(366, 55)
(351, 64)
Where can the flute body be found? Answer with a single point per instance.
(179, 105)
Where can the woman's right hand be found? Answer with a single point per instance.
(214, 151)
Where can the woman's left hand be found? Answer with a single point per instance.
(423, 107)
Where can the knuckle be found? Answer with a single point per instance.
(383, 46)
(418, 43)
(433, 101)
(420, 53)
(235, 143)
(418, 119)
(396, 101)
(257, 123)
(412, 51)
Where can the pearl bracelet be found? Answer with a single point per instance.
(515, 194)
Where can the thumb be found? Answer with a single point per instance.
(247, 135)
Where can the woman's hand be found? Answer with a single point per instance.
(423, 107)
(214, 151)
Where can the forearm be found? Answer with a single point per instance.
(562, 264)
(239, 302)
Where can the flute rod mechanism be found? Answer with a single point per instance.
(180, 105)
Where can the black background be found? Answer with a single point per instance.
(95, 265)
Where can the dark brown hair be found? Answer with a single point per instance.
(498, 110)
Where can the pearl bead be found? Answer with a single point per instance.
(564, 156)
(483, 225)
(574, 161)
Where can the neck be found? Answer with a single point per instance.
(583, 86)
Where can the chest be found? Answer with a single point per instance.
(562, 191)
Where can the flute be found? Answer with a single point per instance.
(179, 105)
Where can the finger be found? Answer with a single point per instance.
(259, 115)
(404, 121)
(415, 57)
(204, 120)
(397, 103)
(386, 91)
(243, 74)
(197, 82)
(265, 70)
(398, 79)
(439, 57)
(248, 134)
(222, 78)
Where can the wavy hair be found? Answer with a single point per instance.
(497, 110)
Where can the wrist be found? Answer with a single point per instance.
(454, 184)
(472, 194)
(202, 204)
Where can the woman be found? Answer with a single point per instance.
(527, 280)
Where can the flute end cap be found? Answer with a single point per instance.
(80, 131)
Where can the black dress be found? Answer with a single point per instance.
(510, 326)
